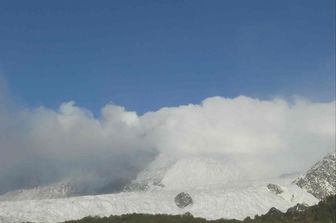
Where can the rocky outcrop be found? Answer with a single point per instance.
(320, 180)
(274, 188)
(274, 212)
(297, 208)
(183, 200)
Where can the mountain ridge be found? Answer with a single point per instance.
(320, 180)
(220, 198)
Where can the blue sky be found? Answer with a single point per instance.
(148, 54)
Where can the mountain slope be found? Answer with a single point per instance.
(200, 172)
(320, 180)
(58, 190)
(187, 173)
(152, 176)
(216, 191)
(214, 185)
(221, 203)
(323, 212)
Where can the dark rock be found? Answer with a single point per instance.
(297, 208)
(276, 189)
(274, 212)
(183, 200)
(320, 180)
(248, 219)
(187, 214)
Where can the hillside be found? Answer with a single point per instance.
(320, 180)
(323, 212)
(206, 187)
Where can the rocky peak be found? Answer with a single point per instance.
(320, 180)
(274, 212)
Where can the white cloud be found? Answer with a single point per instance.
(272, 136)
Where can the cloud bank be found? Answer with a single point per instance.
(41, 145)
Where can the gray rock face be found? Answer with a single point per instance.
(276, 189)
(297, 208)
(320, 180)
(274, 212)
(183, 200)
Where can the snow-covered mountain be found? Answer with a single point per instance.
(187, 173)
(69, 187)
(320, 180)
(238, 202)
(152, 176)
(53, 191)
(213, 184)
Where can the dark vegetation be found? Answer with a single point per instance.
(324, 212)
